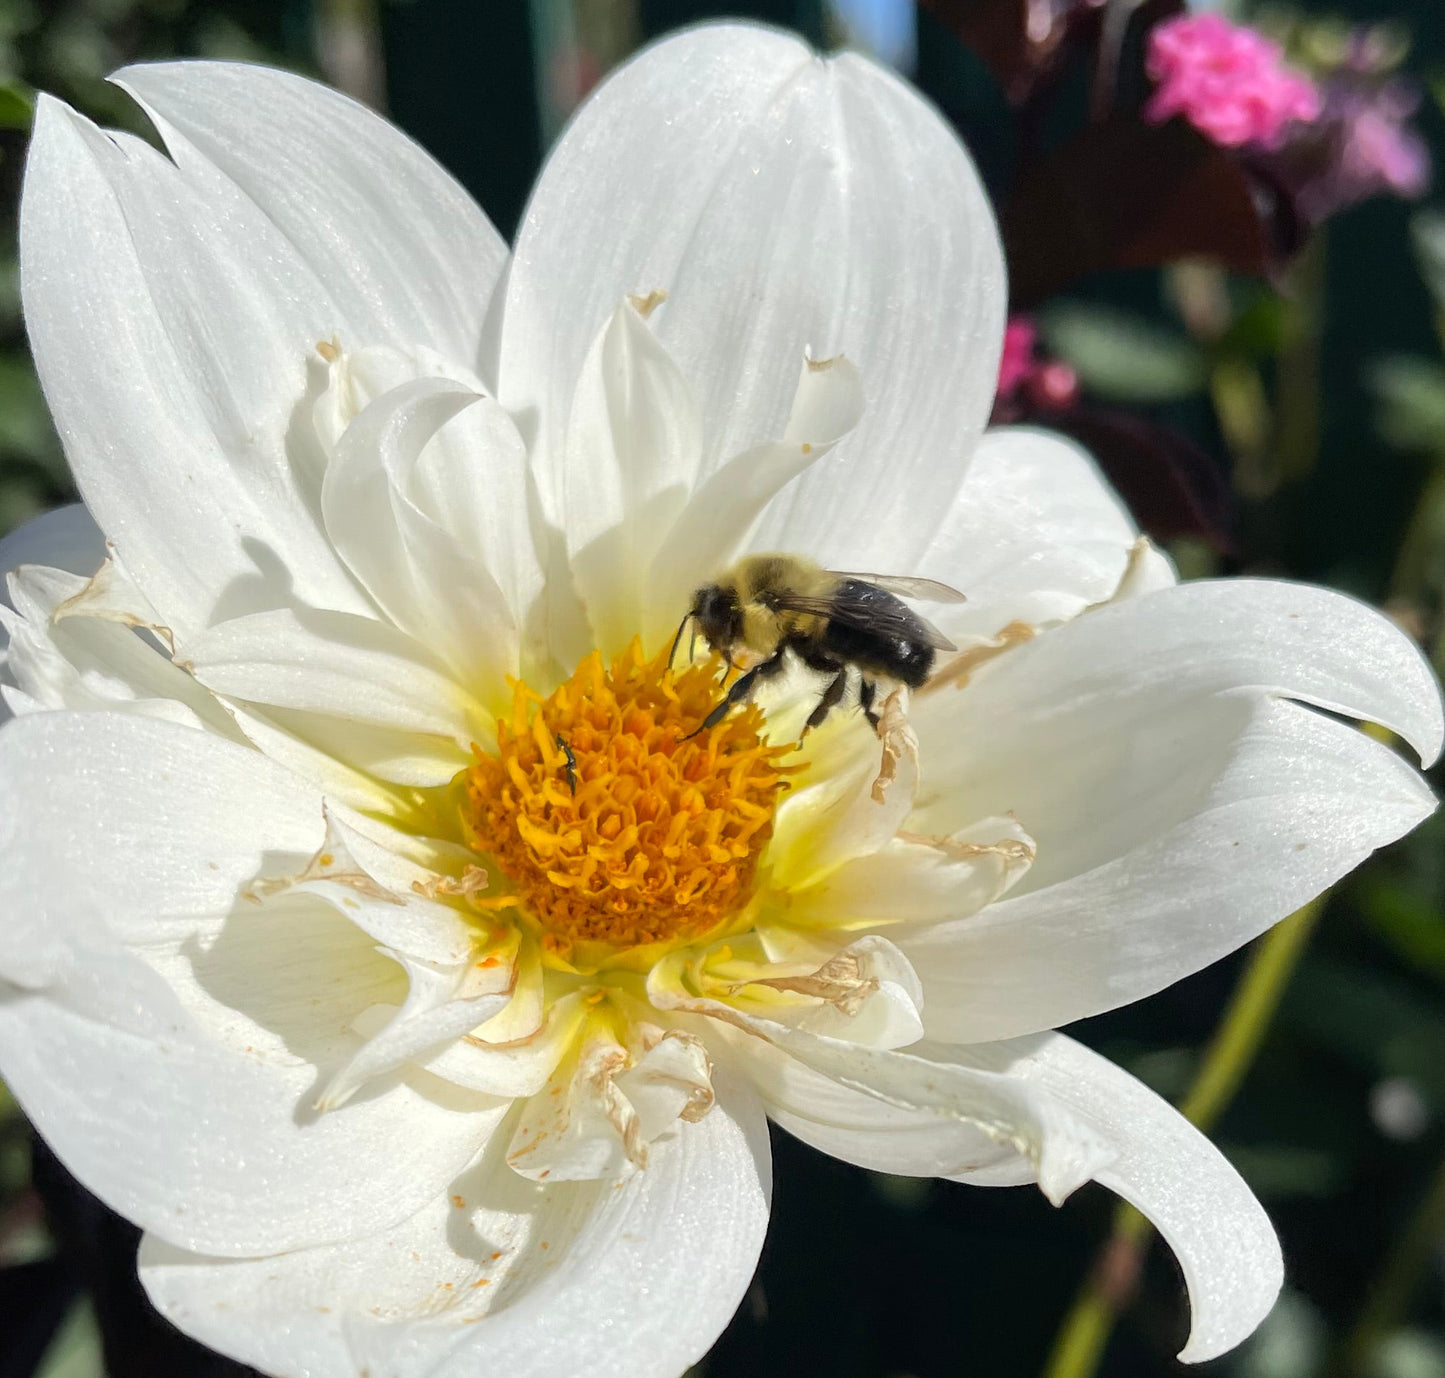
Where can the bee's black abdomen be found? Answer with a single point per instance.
(915, 663)
(897, 653)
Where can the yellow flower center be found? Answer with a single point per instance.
(617, 829)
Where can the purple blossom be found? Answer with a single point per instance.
(1361, 145)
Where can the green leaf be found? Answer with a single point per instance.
(1414, 927)
(1427, 228)
(75, 1352)
(1258, 331)
(1379, 1025)
(1291, 1342)
(1407, 1353)
(1123, 356)
(1168, 1072)
(1411, 393)
(25, 426)
(17, 105)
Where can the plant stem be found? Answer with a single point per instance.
(1232, 1051)
(1112, 1280)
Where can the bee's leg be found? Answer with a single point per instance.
(829, 701)
(742, 687)
(672, 654)
(866, 691)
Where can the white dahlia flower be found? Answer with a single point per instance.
(377, 936)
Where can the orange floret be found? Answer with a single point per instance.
(659, 843)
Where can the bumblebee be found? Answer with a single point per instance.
(768, 605)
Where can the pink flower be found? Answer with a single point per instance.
(1019, 339)
(1227, 80)
(1047, 384)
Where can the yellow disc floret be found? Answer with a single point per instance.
(615, 828)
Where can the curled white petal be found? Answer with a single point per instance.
(723, 510)
(1230, 806)
(632, 449)
(396, 498)
(1171, 1172)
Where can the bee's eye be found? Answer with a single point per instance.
(717, 615)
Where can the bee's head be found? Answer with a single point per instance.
(718, 616)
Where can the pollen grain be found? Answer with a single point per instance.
(616, 829)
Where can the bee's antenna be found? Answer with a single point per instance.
(672, 654)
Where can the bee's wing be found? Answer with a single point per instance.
(869, 608)
(906, 586)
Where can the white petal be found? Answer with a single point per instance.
(842, 813)
(94, 666)
(917, 879)
(171, 330)
(608, 1101)
(354, 668)
(393, 755)
(470, 478)
(1178, 805)
(580, 1127)
(60, 657)
(671, 1080)
(438, 1010)
(627, 468)
(859, 991)
(519, 1067)
(110, 594)
(952, 1112)
(292, 1014)
(888, 1017)
(200, 1142)
(782, 202)
(123, 828)
(318, 768)
(850, 1124)
(723, 511)
(1215, 636)
(634, 1280)
(146, 837)
(1172, 1173)
(1034, 535)
(66, 538)
(378, 221)
(379, 893)
(422, 567)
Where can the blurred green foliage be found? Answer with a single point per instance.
(1124, 356)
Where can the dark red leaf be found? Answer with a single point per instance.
(1125, 194)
